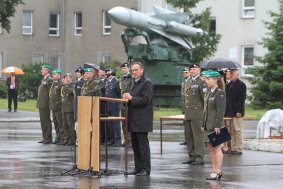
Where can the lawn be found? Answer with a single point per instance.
(30, 105)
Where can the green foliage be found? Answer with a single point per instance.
(206, 45)
(3, 90)
(267, 81)
(8, 9)
(30, 81)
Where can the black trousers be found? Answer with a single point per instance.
(114, 128)
(12, 96)
(141, 150)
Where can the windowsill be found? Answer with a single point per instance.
(78, 35)
(54, 36)
(106, 34)
(27, 34)
(248, 17)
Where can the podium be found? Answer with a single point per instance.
(88, 157)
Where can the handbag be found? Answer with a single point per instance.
(217, 139)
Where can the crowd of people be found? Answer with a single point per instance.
(208, 97)
(58, 94)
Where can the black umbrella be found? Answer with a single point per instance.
(220, 64)
(91, 65)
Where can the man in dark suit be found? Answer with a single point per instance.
(113, 108)
(140, 118)
(13, 85)
(235, 107)
(78, 86)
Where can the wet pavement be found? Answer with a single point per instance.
(26, 164)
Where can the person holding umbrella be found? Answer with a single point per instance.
(13, 85)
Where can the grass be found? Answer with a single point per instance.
(30, 105)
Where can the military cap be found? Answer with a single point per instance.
(194, 66)
(185, 69)
(56, 71)
(79, 69)
(212, 74)
(125, 64)
(88, 70)
(204, 73)
(67, 74)
(46, 66)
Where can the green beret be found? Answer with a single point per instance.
(212, 74)
(204, 73)
(56, 71)
(88, 69)
(185, 69)
(46, 66)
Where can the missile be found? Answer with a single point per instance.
(167, 22)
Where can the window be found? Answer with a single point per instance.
(1, 61)
(104, 57)
(55, 61)
(54, 24)
(247, 58)
(27, 22)
(106, 24)
(248, 9)
(78, 23)
(37, 58)
(212, 25)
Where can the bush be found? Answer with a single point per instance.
(3, 90)
(30, 81)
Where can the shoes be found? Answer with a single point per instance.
(236, 152)
(217, 177)
(47, 142)
(41, 141)
(197, 163)
(134, 172)
(189, 161)
(111, 144)
(118, 145)
(63, 142)
(55, 141)
(183, 143)
(15, 110)
(143, 173)
(9, 110)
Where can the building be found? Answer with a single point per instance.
(63, 33)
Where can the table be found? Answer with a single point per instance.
(178, 120)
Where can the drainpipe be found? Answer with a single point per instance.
(62, 41)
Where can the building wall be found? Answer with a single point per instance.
(73, 51)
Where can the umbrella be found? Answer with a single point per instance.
(91, 65)
(13, 69)
(220, 64)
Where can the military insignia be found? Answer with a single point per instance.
(222, 96)
(211, 98)
(204, 90)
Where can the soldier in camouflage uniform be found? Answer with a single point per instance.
(125, 86)
(90, 86)
(68, 93)
(194, 99)
(56, 105)
(43, 105)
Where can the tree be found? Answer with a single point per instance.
(267, 81)
(7, 9)
(30, 81)
(206, 45)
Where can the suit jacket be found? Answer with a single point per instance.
(214, 109)
(17, 83)
(78, 86)
(55, 98)
(91, 88)
(236, 92)
(112, 91)
(194, 98)
(43, 93)
(68, 93)
(140, 116)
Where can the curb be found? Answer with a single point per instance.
(7, 120)
(263, 146)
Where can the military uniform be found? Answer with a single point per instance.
(68, 131)
(44, 108)
(125, 87)
(214, 110)
(56, 107)
(194, 99)
(91, 88)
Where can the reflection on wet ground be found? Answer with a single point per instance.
(26, 164)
